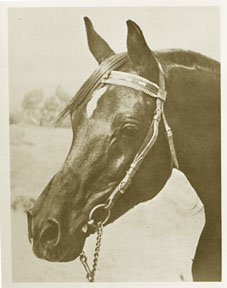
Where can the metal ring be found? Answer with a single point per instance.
(97, 207)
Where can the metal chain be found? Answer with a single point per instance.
(83, 258)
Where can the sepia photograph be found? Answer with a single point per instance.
(114, 143)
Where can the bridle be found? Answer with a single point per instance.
(106, 74)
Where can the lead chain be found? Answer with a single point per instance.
(83, 258)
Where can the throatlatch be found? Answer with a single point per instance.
(106, 75)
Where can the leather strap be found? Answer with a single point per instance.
(136, 82)
(144, 150)
(169, 133)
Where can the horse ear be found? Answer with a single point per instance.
(140, 54)
(97, 45)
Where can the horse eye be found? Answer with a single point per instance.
(129, 130)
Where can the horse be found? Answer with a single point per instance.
(113, 119)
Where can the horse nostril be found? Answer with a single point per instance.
(30, 228)
(51, 233)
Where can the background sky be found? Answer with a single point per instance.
(48, 46)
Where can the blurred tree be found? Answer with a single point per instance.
(33, 99)
(44, 112)
(53, 105)
(32, 105)
(15, 117)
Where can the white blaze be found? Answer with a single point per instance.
(120, 161)
(92, 104)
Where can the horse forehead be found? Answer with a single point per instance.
(129, 103)
(120, 98)
(109, 101)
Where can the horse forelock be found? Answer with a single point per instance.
(79, 98)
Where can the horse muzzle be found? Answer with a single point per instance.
(51, 244)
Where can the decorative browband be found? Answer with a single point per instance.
(135, 82)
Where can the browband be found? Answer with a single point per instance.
(136, 82)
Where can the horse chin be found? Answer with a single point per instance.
(64, 252)
(71, 255)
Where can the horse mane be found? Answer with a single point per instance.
(168, 58)
(188, 59)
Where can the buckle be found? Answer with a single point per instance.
(162, 94)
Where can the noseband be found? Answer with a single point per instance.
(106, 74)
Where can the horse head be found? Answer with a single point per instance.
(108, 127)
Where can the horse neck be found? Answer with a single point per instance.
(193, 111)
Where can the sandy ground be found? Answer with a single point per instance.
(155, 241)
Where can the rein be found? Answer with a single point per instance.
(106, 75)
